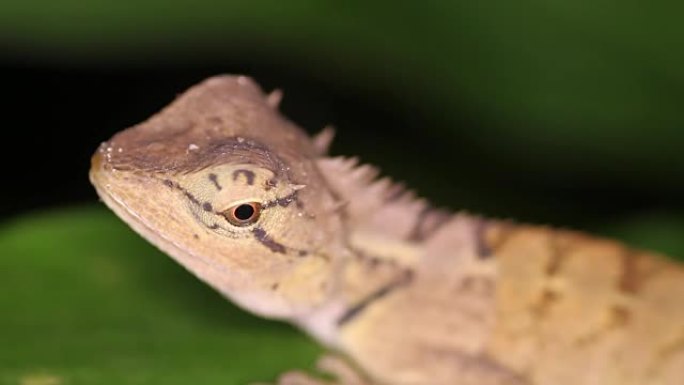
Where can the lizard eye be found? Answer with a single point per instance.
(243, 214)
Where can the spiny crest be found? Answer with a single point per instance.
(367, 180)
(377, 203)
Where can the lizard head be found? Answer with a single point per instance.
(227, 187)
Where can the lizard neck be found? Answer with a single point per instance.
(372, 268)
(381, 263)
(378, 266)
(391, 237)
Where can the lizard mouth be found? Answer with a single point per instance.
(99, 177)
(114, 188)
(109, 181)
(102, 178)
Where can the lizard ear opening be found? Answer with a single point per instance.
(243, 214)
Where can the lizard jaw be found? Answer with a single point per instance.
(122, 196)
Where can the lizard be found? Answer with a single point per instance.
(406, 293)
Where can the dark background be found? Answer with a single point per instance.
(543, 112)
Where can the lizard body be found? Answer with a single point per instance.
(413, 295)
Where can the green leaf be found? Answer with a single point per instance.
(87, 301)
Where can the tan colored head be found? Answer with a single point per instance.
(225, 185)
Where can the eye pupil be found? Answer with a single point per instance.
(244, 212)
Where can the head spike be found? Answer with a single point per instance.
(274, 98)
(323, 140)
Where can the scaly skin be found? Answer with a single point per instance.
(410, 294)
